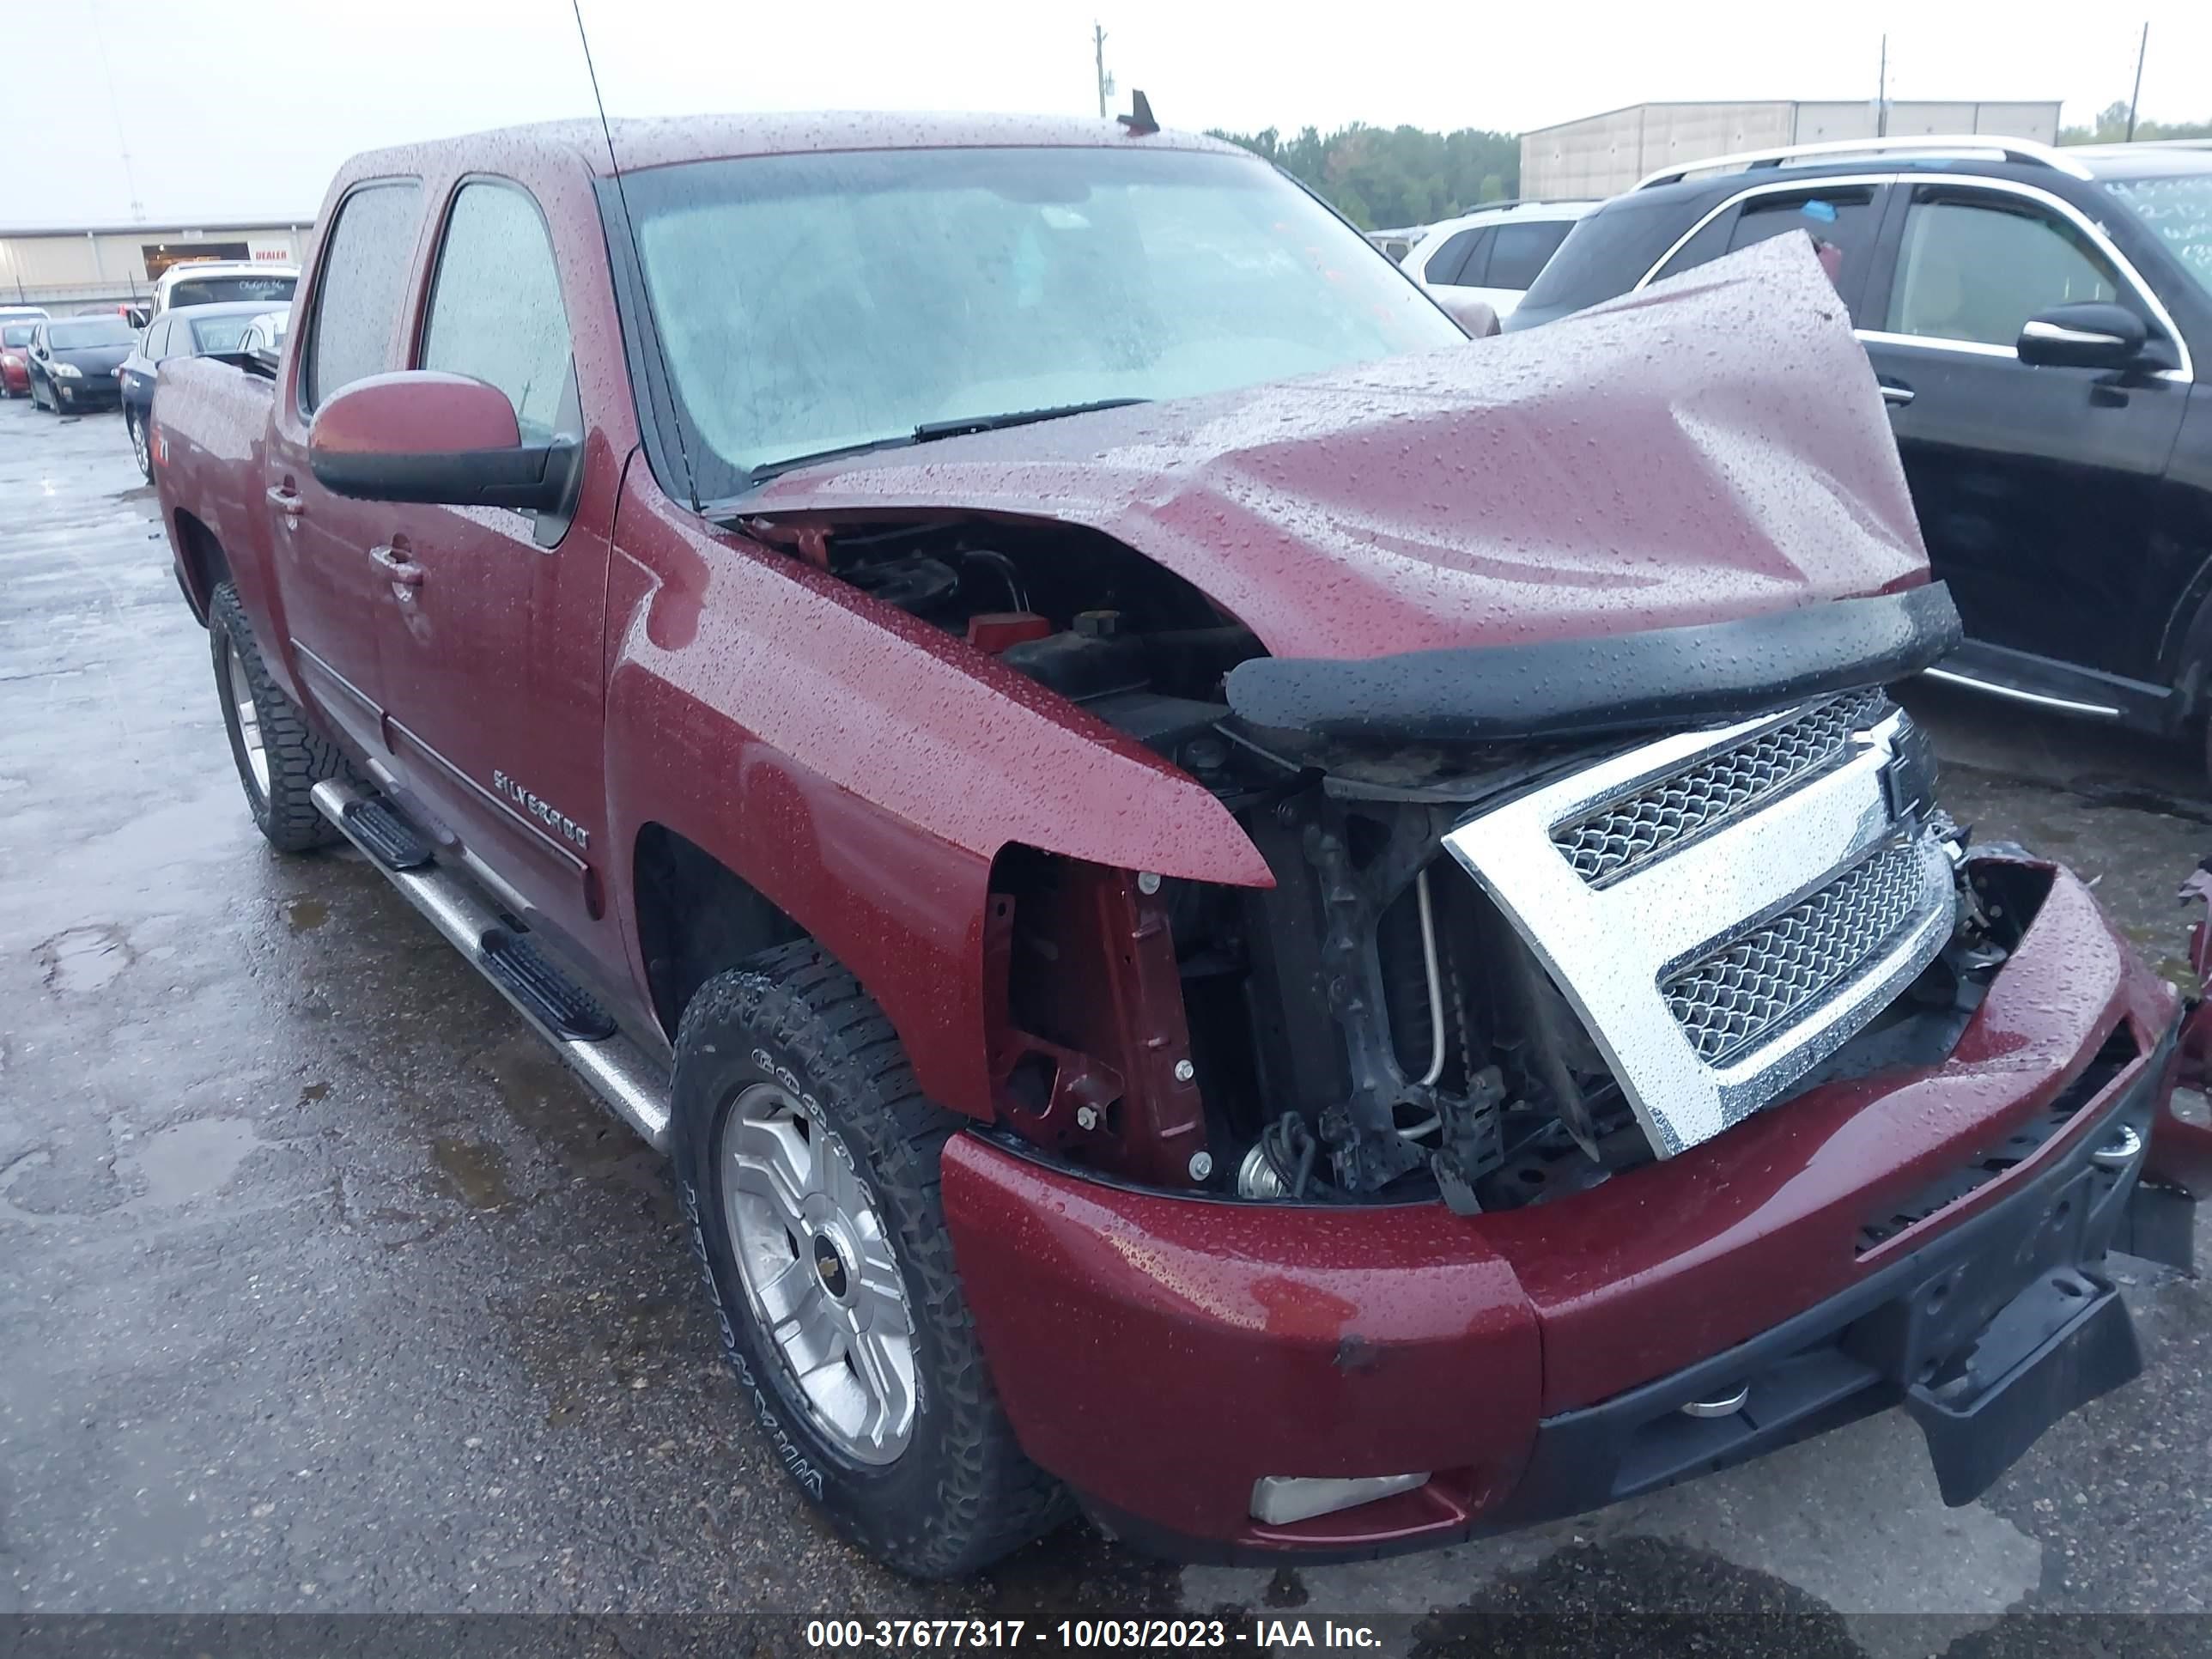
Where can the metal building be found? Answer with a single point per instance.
(78, 268)
(1604, 154)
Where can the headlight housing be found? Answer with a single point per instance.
(68, 372)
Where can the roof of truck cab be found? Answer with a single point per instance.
(643, 143)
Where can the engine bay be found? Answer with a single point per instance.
(1373, 1028)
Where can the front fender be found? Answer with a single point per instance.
(862, 770)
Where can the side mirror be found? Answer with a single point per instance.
(1478, 318)
(2089, 335)
(422, 435)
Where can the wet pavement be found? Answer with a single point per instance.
(322, 1287)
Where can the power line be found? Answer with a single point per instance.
(2142, 49)
(115, 112)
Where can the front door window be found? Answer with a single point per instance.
(1976, 270)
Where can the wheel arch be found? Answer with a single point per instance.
(202, 565)
(695, 917)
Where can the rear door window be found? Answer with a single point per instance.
(363, 282)
(1844, 219)
(495, 312)
(1519, 250)
(1448, 264)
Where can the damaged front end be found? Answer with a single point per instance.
(1497, 967)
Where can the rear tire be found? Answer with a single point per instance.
(807, 1163)
(138, 445)
(279, 758)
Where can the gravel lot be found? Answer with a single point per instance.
(322, 1288)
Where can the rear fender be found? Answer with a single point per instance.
(211, 423)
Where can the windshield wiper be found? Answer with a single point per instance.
(930, 429)
(768, 469)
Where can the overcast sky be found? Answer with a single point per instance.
(242, 109)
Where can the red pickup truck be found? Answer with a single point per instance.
(1234, 909)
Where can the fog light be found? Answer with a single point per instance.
(1279, 1499)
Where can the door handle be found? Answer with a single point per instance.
(398, 566)
(287, 501)
(1897, 396)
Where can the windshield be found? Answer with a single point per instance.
(2179, 207)
(220, 333)
(17, 334)
(816, 303)
(220, 290)
(92, 331)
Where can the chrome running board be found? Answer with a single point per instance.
(631, 1082)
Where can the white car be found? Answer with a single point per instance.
(1493, 254)
(265, 338)
(213, 281)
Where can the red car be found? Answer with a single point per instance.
(1236, 910)
(14, 355)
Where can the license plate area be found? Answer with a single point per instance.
(2062, 1342)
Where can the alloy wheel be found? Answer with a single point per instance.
(249, 718)
(818, 1270)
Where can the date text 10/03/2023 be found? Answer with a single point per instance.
(936, 1634)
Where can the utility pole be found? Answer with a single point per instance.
(2135, 96)
(1099, 57)
(1881, 92)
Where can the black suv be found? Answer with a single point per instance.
(2040, 323)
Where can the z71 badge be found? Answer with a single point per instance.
(543, 810)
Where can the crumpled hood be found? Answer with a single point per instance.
(1711, 448)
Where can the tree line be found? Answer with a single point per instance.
(2111, 127)
(1380, 177)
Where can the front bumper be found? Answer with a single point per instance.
(91, 391)
(1162, 1353)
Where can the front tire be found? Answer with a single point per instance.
(279, 758)
(807, 1161)
(138, 445)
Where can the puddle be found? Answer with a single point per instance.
(190, 1160)
(544, 1098)
(476, 1173)
(303, 915)
(84, 959)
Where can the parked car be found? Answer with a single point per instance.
(264, 339)
(15, 356)
(130, 311)
(1494, 253)
(180, 332)
(1199, 949)
(72, 363)
(219, 282)
(1395, 243)
(2036, 319)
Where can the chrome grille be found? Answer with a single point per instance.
(1761, 982)
(1632, 829)
(1779, 926)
